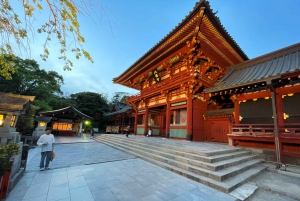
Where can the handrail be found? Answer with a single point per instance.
(264, 129)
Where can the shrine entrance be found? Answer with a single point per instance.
(157, 120)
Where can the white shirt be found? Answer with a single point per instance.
(49, 139)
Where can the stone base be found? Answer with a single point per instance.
(270, 155)
(15, 179)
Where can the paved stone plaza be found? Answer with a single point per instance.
(126, 180)
(76, 154)
(115, 176)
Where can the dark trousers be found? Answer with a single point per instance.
(45, 155)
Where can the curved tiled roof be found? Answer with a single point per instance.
(120, 108)
(269, 66)
(14, 101)
(67, 109)
(209, 11)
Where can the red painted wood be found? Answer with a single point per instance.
(199, 109)
(225, 131)
(135, 121)
(216, 131)
(189, 129)
(289, 90)
(146, 120)
(279, 109)
(177, 127)
(260, 94)
(236, 112)
(4, 185)
(168, 119)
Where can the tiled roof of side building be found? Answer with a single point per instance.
(69, 108)
(14, 101)
(120, 108)
(269, 66)
(198, 5)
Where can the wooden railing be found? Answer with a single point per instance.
(265, 129)
(263, 136)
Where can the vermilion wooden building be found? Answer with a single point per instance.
(172, 75)
(265, 92)
(197, 84)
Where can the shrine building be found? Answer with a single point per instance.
(172, 75)
(197, 84)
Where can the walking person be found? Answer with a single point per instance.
(46, 142)
(127, 130)
(92, 132)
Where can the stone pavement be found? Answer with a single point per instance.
(76, 154)
(277, 187)
(73, 139)
(197, 146)
(112, 175)
(127, 180)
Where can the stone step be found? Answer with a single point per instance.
(209, 159)
(173, 148)
(210, 166)
(218, 176)
(225, 186)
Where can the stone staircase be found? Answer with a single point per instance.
(223, 170)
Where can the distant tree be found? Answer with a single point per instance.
(58, 102)
(25, 123)
(92, 104)
(61, 27)
(120, 96)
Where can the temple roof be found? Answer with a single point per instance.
(119, 108)
(14, 102)
(213, 36)
(67, 112)
(270, 66)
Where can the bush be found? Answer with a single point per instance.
(6, 152)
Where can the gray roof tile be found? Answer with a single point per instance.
(269, 66)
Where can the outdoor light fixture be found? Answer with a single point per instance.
(1, 120)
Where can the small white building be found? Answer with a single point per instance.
(11, 106)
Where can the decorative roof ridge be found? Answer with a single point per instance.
(178, 26)
(66, 108)
(268, 56)
(223, 28)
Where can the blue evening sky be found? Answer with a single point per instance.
(258, 26)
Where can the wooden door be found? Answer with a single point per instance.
(216, 131)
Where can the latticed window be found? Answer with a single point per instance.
(2, 119)
(152, 120)
(179, 117)
(62, 126)
(13, 121)
(140, 120)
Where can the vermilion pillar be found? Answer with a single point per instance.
(189, 126)
(146, 120)
(279, 108)
(168, 119)
(236, 112)
(135, 121)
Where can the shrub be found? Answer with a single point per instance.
(6, 152)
